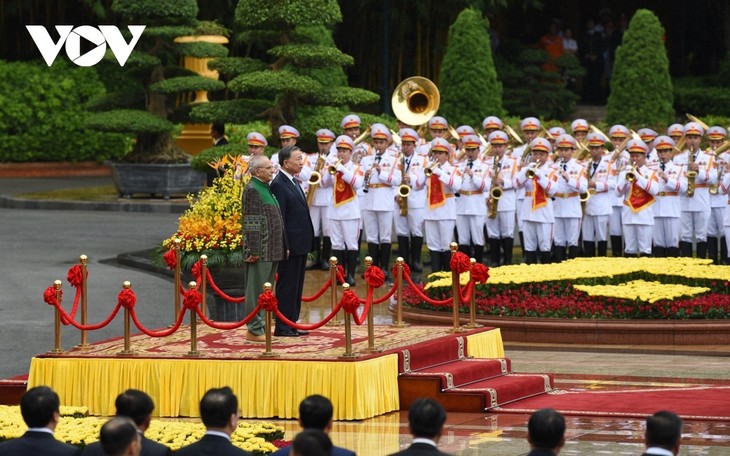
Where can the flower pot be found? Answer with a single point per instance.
(231, 281)
(155, 179)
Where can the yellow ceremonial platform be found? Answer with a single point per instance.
(361, 387)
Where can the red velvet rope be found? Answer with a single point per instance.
(340, 274)
(468, 290)
(350, 302)
(480, 273)
(424, 297)
(233, 325)
(170, 258)
(87, 327)
(312, 326)
(268, 301)
(374, 276)
(163, 333)
(192, 299)
(127, 298)
(49, 296)
(459, 262)
(318, 294)
(220, 293)
(406, 270)
(368, 303)
(74, 276)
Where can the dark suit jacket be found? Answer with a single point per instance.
(211, 445)
(34, 443)
(336, 451)
(420, 449)
(149, 448)
(295, 211)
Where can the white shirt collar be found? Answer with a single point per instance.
(658, 451)
(291, 178)
(424, 440)
(219, 434)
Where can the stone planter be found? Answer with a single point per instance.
(155, 179)
(231, 281)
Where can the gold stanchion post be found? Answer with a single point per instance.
(178, 281)
(472, 301)
(203, 282)
(348, 330)
(333, 289)
(193, 327)
(84, 260)
(268, 353)
(455, 291)
(399, 294)
(57, 284)
(127, 342)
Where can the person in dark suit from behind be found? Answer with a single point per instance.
(119, 437)
(426, 419)
(299, 234)
(40, 409)
(138, 406)
(219, 412)
(315, 413)
(312, 442)
(218, 133)
(546, 433)
(663, 433)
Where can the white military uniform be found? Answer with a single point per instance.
(537, 223)
(598, 207)
(322, 199)
(440, 221)
(377, 202)
(638, 222)
(503, 226)
(471, 209)
(725, 188)
(615, 225)
(718, 204)
(667, 209)
(345, 218)
(696, 209)
(412, 223)
(566, 207)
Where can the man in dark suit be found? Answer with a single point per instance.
(663, 433)
(219, 412)
(138, 406)
(299, 234)
(119, 437)
(315, 413)
(546, 433)
(40, 409)
(218, 133)
(426, 419)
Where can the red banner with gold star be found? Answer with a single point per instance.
(436, 196)
(639, 199)
(343, 192)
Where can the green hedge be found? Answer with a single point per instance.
(701, 101)
(42, 115)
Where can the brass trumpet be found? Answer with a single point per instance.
(531, 171)
(428, 170)
(332, 169)
(631, 174)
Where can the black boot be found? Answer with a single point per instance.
(522, 247)
(559, 253)
(545, 257)
(711, 248)
(404, 249)
(723, 251)
(446, 260)
(351, 266)
(385, 261)
(494, 246)
(702, 249)
(324, 264)
(416, 246)
(479, 253)
(631, 255)
(659, 252)
(435, 260)
(685, 249)
(507, 245)
(465, 249)
(573, 251)
(589, 249)
(530, 257)
(673, 252)
(603, 248)
(374, 253)
(617, 248)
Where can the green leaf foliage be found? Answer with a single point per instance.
(312, 118)
(274, 82)
(43, 117)
(202, 49)
(641, 89)
(702, 101)
(344, 96)
(239, 110)
(201, 159)
(187, 83)
(277, 14)
(468, 83)
(129, 121)
(149, 11)
(312, 55)
(233, 66)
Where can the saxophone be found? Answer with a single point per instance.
(691, 175)
(315, 179)
(495, 193)
(403, 190)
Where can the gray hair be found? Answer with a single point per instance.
(257, 161)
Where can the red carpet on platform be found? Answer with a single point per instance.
(694, 403)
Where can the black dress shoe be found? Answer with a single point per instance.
(302, 332)
(287, 333)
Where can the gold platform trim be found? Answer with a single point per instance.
(359, 389)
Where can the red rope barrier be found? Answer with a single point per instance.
(368, 303)
(233, 325)
(423, 296)
(312, 326)
(75, 308)
(318, 294)
(163, 333)
(88, 327)
(215, 288)
(387, 296)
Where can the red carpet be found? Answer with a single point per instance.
(695, 403)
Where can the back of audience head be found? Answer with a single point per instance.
(546, 430)
(315, 412)
(120, 437)
(664, 430)
(426, 418)
(311, 442)
(40, 407)
(137, 405)
(219, 409)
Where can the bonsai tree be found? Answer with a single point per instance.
(302, 77)
(468, 82)
(143, 108)
(641, 89)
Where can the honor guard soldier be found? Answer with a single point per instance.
(572, 182)
(288, 136)
(725, 189)
(554, 134)
(699, 169)
(501, 172)
(619, 157)
(491, 124)
(344, 178)
(637, 185)
(667, 209)
(648, 136)
(442, 181)
(437, 128)
(320, 200)
(539, 180)
(600, 195)
(410, 210)
(463, 131)
(718, 201)
(579, 127)
(256, 143)
(351, 127)
(382, 176)
(676, 132)
(530, 127)
(471, 209)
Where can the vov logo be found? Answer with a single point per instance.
(100, 37)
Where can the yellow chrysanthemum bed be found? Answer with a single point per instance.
(613, 288)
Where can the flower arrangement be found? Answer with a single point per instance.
(599, 288)
(77, 428)
(212, 224)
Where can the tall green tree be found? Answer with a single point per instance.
(468, 83)
(641, 89)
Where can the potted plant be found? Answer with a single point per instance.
(156, 165)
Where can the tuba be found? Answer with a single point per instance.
(415, 100)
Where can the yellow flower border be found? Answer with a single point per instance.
(642, 290)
